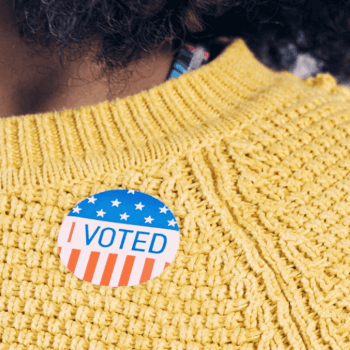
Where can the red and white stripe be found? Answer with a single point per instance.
(103, 276)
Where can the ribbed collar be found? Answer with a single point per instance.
(185, 113)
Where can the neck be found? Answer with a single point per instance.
(33, 84)
(32, 87)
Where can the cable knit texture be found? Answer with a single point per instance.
(255, 166)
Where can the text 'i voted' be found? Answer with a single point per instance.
(118, 238)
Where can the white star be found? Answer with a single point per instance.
(139, 206)
(172, 222)
(149, 220)
(163, 210)
(76, 209)
(132, 191)
(124, 216)
(115, 203)
(100, 213)
(92, 199)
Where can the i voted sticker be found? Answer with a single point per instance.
(118, 238)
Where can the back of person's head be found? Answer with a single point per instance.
(126, 30)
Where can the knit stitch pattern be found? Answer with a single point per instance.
(255, 166)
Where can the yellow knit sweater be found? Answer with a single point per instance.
(255, 166)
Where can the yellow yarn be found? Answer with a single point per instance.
(255, 166)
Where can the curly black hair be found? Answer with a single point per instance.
(127, 29)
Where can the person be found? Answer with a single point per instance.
(170, 99)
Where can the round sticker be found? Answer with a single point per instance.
(118, 238)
